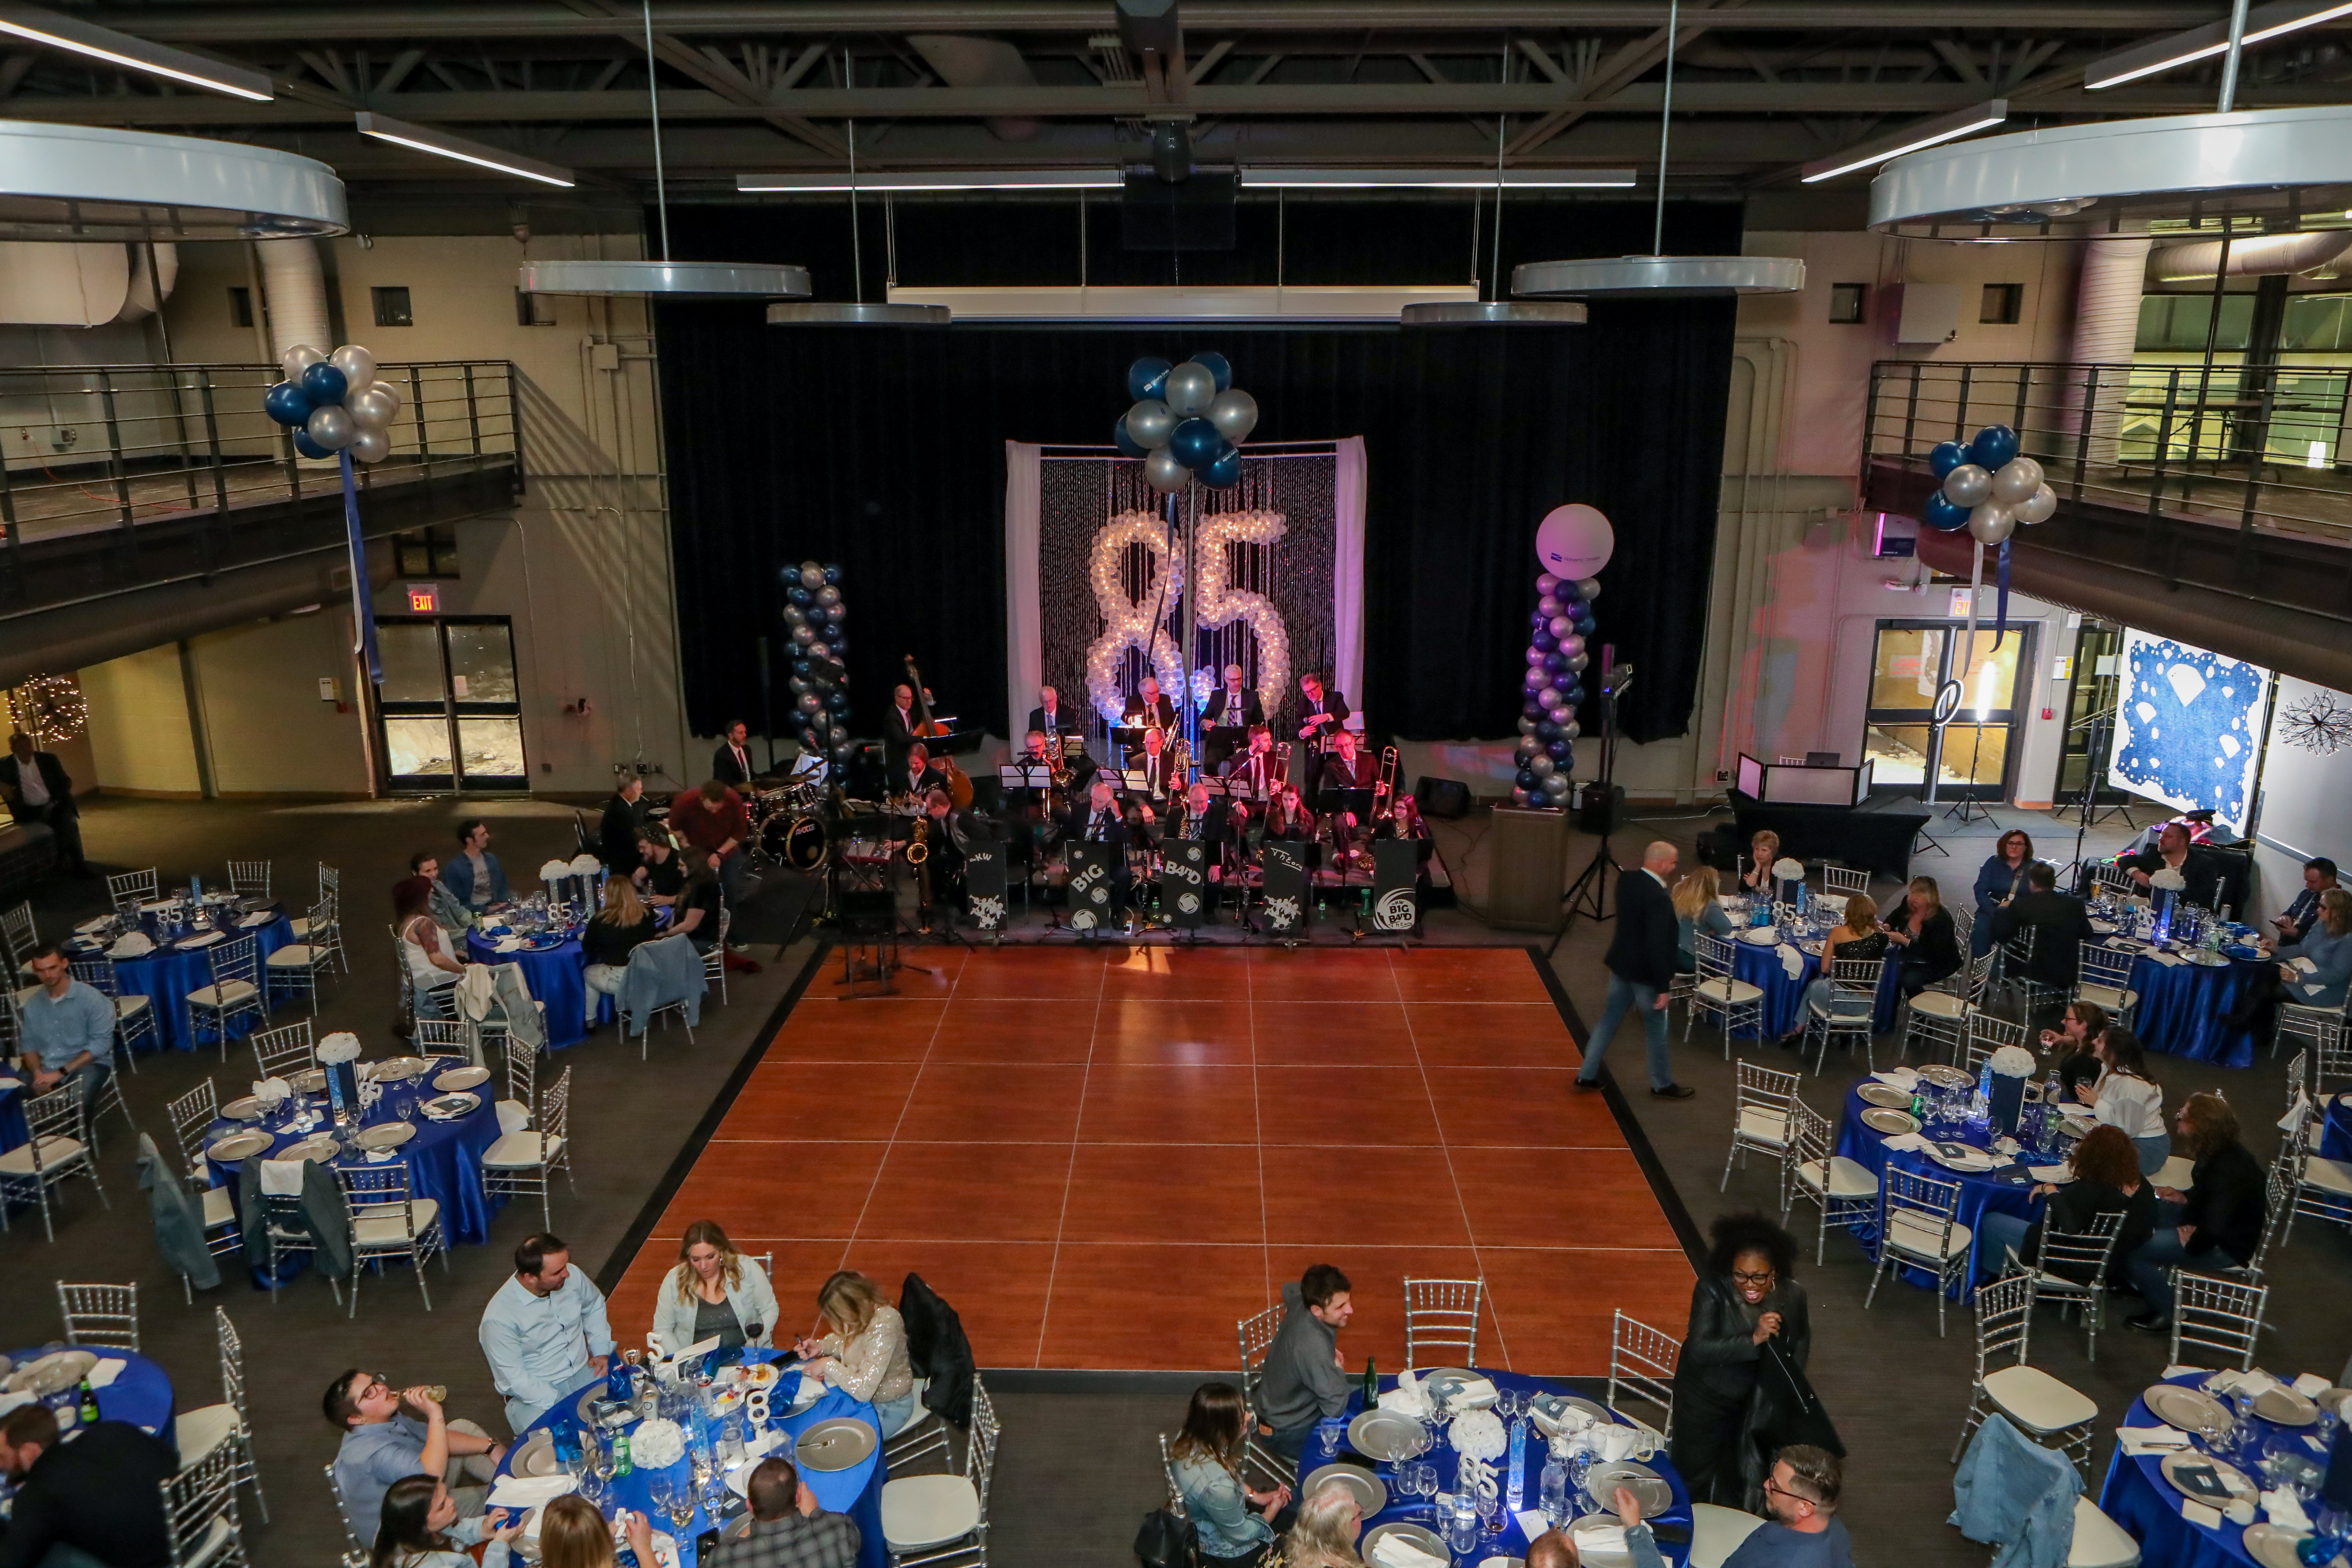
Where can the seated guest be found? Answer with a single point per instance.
(664, 877)
(2107, 1180)
(1157, 764)
(1800, 1495)
(1763, 849)
(1217, 1497)
(69, 1028)
(98, 1499)
(2059, 925)
(1697, 907)
(419, 1528)
(863, 1351)
(2216, 1224)
(544, 1332)
(474, 875)
(1305, 1377)
(787, 1530)
(715, 1292)
(697, 911)
(1927, 942)
(1148, 709)
(2174, 852)
(2124, 1097)
(1048, 717)
(2000, 878)
(573, 1534)
(618, 831)
(447, 912)
(1856, 936)
(424, 947)
(391, 1432)
(36, 788)
(2318, 877)
(609, 936)
(2076, 1039)
(1325, 1535)
(2326, 948)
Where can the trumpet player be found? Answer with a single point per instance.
(1158, 763)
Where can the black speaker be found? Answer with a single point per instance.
(1447, 798)
(1196, 214)
(1600, 811)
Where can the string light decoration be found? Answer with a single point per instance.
(2317, 724)
(1131, 623)
(1218, 603)
(50, 708)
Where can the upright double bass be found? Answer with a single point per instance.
(926, 728)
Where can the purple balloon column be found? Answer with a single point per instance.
(1561, 622)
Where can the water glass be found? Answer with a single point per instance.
(1328, 1432)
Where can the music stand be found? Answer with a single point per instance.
(1025, 775)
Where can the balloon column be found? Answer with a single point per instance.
(1572, 542)
(1986, 487)
(337, 408)
(1187, 422)
(820, 680)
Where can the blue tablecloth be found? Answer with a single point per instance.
(13, 1128)
(2137, 1496)
(168, 975)
(1513, 1540)
(1784, 999)
(1998, 1192)
(2184, 1008)
(444, 1160)
(141, 1393)
(2335, 1142)
(555, 976)
(855, 1492)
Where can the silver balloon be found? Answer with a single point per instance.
(828, 596)
(357, 364)
(2016, 482)
(1967, 485)
(811, 575)
(1527, 750)
(1555, 786)
(841, 752)
(809, 702)
(1991, 522)
(1561, 627)
(2039, 506)
(1234, 414)
(1527, 725)
(298, 359)
(837, 733)
(1578, 661)
(1589, 587)
(331, 427)
(1570, 729)
(369, 445)
(1541, 766)
(1549, 606)
(1150, 423)
(1164, 473)
(369, 409)
(804, 634)
(1190, 389)
(794, 616)
(385, 389)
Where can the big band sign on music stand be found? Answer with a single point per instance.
(1396, 867)
(1184, 882)
(1285, 888)
(1095, 897)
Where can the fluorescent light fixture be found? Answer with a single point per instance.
(441, 144)
(821, 181)
(669, 279)
(1494, 314)
(844, 313)
(2263, 22)
(1658, 277)
(1910, 139)
(1464, 179)
(80, 37)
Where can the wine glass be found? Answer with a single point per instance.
(596, 1483)
(680, 1509)
(661, 1490)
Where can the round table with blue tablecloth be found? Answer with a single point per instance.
(855, 1492)
(2184, 1006)
(1512, 1542)
(2335, 1140)
(2008, 1190)
(1784, 994)
(14, 1129)
(140, 1391)
(166, 975)
(2137, 1496)
(556, 976)
(443, 1159)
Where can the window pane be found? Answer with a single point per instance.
(492, 747)
(481, 664)
(1907, 667)
(1973, 754)
(1898, 754)
(411, 651)
(414, 746)
(1991, 677)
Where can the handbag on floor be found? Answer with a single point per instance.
(1167, 1541)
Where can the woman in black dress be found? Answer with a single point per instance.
(1921, 928)
(1748, 1294)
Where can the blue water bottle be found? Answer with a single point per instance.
(1518, 1490)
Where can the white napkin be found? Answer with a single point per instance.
(380, 1156)
(2297, 1114)
(1410, 1401)
(1908, 1143)
(1792, 962)
(1608, 1539)
(1478, 1388)
(2171, 1373)
(2305, 965)
(258, 918)
(271, 1090)
(281, 1178)
(2283, 1508)
(812, 1389)
(2169, 961)
(103, 1374)
(1898, 1078)
(2056, 1175)
(2152, 1440)
(1532, 1523)
(506, 944)
(132, 944)
(2311, 1385)
(2255, 1382)
(8, 1083)
(529, 1491)
(2199, 1513)
(1396, 1552)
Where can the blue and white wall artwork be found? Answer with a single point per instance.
(2190, 731)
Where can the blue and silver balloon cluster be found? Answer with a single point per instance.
(1986, 487)
(820, 680)
(333, 403)
(1555, 685)
(1187, 421)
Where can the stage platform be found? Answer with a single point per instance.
(1103, 1157)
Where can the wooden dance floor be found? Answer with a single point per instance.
(1103, 1158)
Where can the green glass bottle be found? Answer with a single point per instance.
(1372, 1386)
(620, 1464)
(89, 1410)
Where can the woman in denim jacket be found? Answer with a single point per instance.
(1206, 1465)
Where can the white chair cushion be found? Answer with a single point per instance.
(218, 1209)
(2178, 1172)
(199, 1432)
(380, 1224)
(300, 926)
(513, 1115)
(1909, 1231)
(1939, 1004)
(293, 955)
(214, 1538)
(520, 1150)
(2107, 997)
(2099, 1541)
(1758, 1124)
(1730, 993)
(130, 1007)
(55, 1152)
(2328, 1175)
(1717, 1532)
(227, 993)
(1847, 1178)
(928, 1511)
(2032, 1398)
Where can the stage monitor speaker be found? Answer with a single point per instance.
(867, 911)
(1446, 798)
(1530, 869)
(1396, 870)
(1286, 903)
(1097, 900)
(1601, 810)
(983, 881)
(1196, 214)
(1184, 882)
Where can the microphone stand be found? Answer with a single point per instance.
(1588, 894)
(2094, 757)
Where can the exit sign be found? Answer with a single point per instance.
(424, 598)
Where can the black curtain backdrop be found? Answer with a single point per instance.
(883, 449)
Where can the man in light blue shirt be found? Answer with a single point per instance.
(544, 1334)
(69, 1028)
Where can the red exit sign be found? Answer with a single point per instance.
(424, 598)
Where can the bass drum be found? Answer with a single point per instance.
(799, 842)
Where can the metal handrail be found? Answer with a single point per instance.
(2257, 446)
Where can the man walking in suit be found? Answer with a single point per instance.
(37, 789)
(731, 763)
(1640, 968)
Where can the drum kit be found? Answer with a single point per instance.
(787, 819)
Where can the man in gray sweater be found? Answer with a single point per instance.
(1306, 1378)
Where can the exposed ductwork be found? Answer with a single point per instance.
(47, 284)
(295, 286)
(2262, 256)
(963, 60)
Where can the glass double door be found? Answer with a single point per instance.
(448, 714)
(1969, 756)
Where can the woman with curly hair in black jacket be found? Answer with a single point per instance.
(1748, 1294)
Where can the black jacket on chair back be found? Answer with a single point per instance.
(938, 1351)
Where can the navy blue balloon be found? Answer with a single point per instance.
(1128, 446)
(1561, 749)
(288, 404)
(1944, 516)
(803, 667)
(1547, 729)
(1544, 641)
(798, 594)
(1564, 681)
(1225, 472)
(1994, 445)
(308, 448)
(838, 702)
(1947, 455)
(1196, 443)
(832, 572)
(1528, 780)
(1539, 620)
(1586, 626)
(1216, 365)
(1555, 661)
(1531, 709)
(323, 384)
(1146, 377)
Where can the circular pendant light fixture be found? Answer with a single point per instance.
(88, 183)
(1494, 313)
(849, 313)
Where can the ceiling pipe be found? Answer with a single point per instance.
(2263, 256)
(965, 61)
